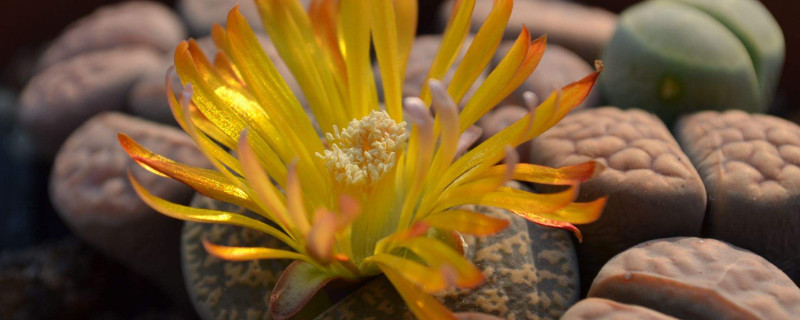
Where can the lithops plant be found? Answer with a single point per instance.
(676, 56)
(375, 195)
(693, 278)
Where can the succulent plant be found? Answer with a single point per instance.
(374, 196)
(676, 56)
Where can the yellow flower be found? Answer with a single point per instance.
(385, 186)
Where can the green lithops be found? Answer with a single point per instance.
(676, 56)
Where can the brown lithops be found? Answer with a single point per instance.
(128, 24)
(750, 164)
(90, 191)
(693, 278)
(60, 98)
(654, 192)
(603, 309)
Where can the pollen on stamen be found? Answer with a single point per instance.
(366, 150)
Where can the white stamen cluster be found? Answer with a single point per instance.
(366, 150)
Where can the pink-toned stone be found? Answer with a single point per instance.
(134, 23)
(653, 190)
(602, 309)
(200, 15)
(693, 278)
(558, 67)
(90, 190)
(60, 98)
(750, 165)
(148, 99)
(584, 30)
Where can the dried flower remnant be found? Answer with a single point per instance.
(355, 203)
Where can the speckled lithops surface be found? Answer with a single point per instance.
(531, 273)
(603, 309)
(222, 289)
(674, 275)
(653, 189)
(750, 165)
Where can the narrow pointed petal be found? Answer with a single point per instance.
(438, 255)
(265, 193)
(248, 253)
(227, 70)
(546, 175)
(454, 35)
(574, 213)
(294, 200)
(324, 18)
(384, 38)
(406, 11)
(513, 200)
(428, 279)
(289, 28)
(321, 238)
(479, 104)
(547, 114)
(295, 287)
(555, 224)
(534, 55)
(205, 215)
(423, 305)
(467, 222)
(289, 121)
(481, 50)
(355, 37)
(207, 182)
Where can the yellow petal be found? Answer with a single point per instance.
(546, 175)
(423, 305)
(534, 55)
(205, 215)
(479, 104)
(406, 11)
(454, 35)
(289, 28)
(576, 212)
(438, 255)
(384, 38)
(207, 182)
(467, 222)
(481, 50)
(430, 280)
(547, 114)
(555, 224)
(291, 124)
(324, 19)
(265, 193)
(511, 199)
(247, 253)
(355, 38)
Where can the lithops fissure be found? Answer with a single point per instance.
(693, 278)
(672, 57)
(750, 165)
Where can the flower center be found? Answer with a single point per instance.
(366, 150)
